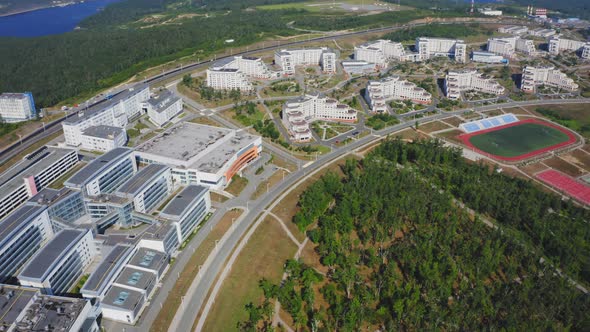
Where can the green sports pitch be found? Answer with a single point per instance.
(519, 140)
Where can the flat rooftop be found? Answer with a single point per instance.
(87, 113)
(19, 219)
(57, 249)
(136, 278)
(103, 272)
(148, 259)
(13, 301)
(183, 200)
(124, 298)
(31, 165)
(13, 95)
(142, 179)
(104, 132)
(162, 100)
(93, 168)
(52, 313)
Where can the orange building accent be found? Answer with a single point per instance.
(245, 158)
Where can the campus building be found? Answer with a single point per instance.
(17, 107)
(288, 60)
(532, 77)
(432, 47)
(378, 93)
(57, 266)
(148, 187)
(542, 32)
(33, 173)
(358, 67)
(487, 57)
(110, 266)
(116, 112)
(200, 154)
(103, 138)
(235, 73)
(187, 209)
(162, 107)
(24, 232)
(557, 44)
(508, 46)
(104, 174)
(513, 29)
(381, 51)
(458, 81)
(64, 206)
(298, 114)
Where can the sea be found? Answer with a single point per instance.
(49, 21)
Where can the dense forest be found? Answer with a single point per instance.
(440, 31)
(402, 255)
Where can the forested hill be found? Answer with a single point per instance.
(574, 8)
(402, 255)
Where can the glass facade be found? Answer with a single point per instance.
(20, 251)
(110, 181)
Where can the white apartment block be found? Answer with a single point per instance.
(381, 51)
(236, 72)
(163, 106)
(513, 30)
(298, 114)
(431, 47)
(558, 44)
(288, 60)
(508, 46)
(228, 79)
(378, 93)
(115, 112)
(103, 138)
(545, 75)
(17, 107)
(458, 81)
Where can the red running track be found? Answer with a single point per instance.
(566, 184)
(572, 139)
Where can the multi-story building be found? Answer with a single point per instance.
(58, 265)
(431, 47)
(487, 57)
(378, 93)
(236, 72)
(288, 60)
(200, 154)
(107, 210)
(586, 51)
(557, 44)
(148, 187)
(104, 174)
(36, 170)
(532, 77)
(508, 46)
(458, 81)
(358, 67)
(103, 138)
(64, 206)
(116, 112)
(542, 32)
(187, 209)
(163, 106)
(298, 113)
(17, 107)
(381, 51)
(513, 29)
(24, 232)
(112, 264)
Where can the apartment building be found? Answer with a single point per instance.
(298, 114)
(557, 44)
(33, 173)
(381, 51)
(508, 46)
(24, 232)
(458, 81)
(115, 112)
(187, 209)
(432, 47)
(378, 93)
(288, 60)
(57, 266)
(103, 138)
(236, 72)
(148, 187)
(532, 77)
(163, 106)
(17, 107)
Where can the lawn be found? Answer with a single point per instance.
(236, 185)
(575, 117)
(518, 140)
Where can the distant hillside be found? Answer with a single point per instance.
(15, 6)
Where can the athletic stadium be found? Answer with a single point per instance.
(507, 138)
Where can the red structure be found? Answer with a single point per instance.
(566, 184)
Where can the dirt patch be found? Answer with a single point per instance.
(532, 169)
(454, 121)
(434, 126)
(579, 158)
(236, 185)
(310, 257)
(410, 135)
(215, 197)
(564, 166)
(205, 120)
(517, 111)
(451, 135)
(269, 183)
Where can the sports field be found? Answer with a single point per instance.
(520, 140)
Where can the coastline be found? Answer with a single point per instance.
(35, 8)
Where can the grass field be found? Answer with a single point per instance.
(518, 140)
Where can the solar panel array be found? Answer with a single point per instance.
(496, 121)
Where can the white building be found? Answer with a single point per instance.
(378, 93)
(103, 138)
(17, 107)
(532, 77)
(508, 46)
(236, 72)
(288, 60)
(187, 210)
(200, 154)
(458, 81)
(513, 29)
(358, 67)
(163, 106)
(298, 114)
(36, 170)
(58, 265)
(487, 57)
(542, 32)
(381, 51)
(431, 47)
(115, 112)
(490, 12)
(558, 44)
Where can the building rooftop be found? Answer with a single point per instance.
(13, 301)
(93, 168)
(136, 278)
(104, 132)
(123, 298)
(87, 113)
(56, 250)
(51, 313)
(104, 271)
(19, 219)
(142, 179)
(161, 101)
(31, 165)
(158, 231)
(148, 259)
(182, 201)
(14, 95)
